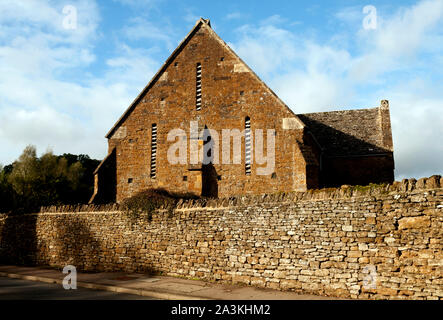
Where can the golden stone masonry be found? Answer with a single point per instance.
(205, 82)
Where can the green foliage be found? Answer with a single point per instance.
(31, 181)
(147, 201)
(372, 186)
(6, 191)
(82, 177)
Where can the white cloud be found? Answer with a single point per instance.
(190, 16)
(258, 44)
(36, 41)
(141, 29)
(350, 15)
(311, 91)
(137, 3)
(358, 69)
(417, 126)
(234, 16)
(407, 32)
(299, 68)
(43, 124)
(399, 39)
(39, 103)
(25, 18)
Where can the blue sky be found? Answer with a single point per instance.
(64, 82)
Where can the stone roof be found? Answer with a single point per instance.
(348, 132)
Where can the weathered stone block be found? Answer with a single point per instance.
(414, 222)
(259, 282)
(387, 291)
(241, 279)
(289, 284)
(354, 254)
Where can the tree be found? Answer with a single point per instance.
(23, 178)
(7, 195)
(31, 182)
(85, 187)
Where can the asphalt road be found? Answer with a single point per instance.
(17, 289)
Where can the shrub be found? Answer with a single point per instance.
(147, 201)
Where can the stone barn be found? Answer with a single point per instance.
(207, 125)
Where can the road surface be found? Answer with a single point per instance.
(17, 289)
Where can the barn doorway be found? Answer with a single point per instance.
(209, 173)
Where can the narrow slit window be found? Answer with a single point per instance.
(248, 146)
(198, 94)
(154, 151)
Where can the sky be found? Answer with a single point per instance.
(69, 69)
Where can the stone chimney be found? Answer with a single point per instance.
(385, 123)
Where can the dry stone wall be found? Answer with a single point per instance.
(381, 242)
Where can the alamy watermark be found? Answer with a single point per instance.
(370, 280)
(70, 20)
(370, 20)
(70, 281)
(205, 147)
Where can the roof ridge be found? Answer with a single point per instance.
(339, 111)
(207, 21)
